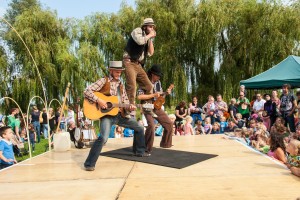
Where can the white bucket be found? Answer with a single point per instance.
(61, 141)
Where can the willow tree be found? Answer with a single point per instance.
(263, 34)
(41, 32)
(4, 71)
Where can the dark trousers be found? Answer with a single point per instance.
(136, 74)
(289, 120)
(105, 127)
(163, 119)
(246, 116)
(2, 166)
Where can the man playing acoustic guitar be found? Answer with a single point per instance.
(112, 86)
(154, 75)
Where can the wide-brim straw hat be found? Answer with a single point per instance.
(117, 65)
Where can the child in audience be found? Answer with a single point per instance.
(7, 157)
(188, 128)
(293, 158)
(118, 132)
(277, 147)
(172, 117)
(23, 136)
(278, 126)
(198, 128)
(266, 120)
(239, 121)
(32, 136)
(261, 141)
(252, 125)
(207, 126)
(215, 128)
(223, 124)
(261, 125)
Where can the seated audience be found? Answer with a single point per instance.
(195, 110)
(293, 157)
(118, 132)
(231, 126)
(215, 128)
(278, 126)
(261, 140)
(71, 130)
(181, 112)
(223, 124)
(239, 121)
(172, 117)
(207, 126)
(232, 109)
(188, 128)
(198, 128)
(277, 147)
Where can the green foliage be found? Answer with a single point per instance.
(244, 38)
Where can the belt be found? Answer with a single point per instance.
(130, 60)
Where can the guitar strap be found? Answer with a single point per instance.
(119, 93)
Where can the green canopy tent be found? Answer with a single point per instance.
(287, 71)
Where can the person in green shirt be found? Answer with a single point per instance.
(13, 122)
(243, 106)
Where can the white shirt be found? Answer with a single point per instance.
(71, 116)
(259, 105)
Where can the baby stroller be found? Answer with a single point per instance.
(18, 148)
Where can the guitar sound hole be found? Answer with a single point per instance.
(109, 105)
(108, 109)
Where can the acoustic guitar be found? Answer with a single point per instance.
(94, 112)
(160, 101)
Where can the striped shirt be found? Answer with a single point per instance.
(96, 87)
(156, 88)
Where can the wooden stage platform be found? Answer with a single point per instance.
(237, 173)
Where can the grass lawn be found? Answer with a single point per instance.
(39, 148)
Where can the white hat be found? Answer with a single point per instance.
(116, 65)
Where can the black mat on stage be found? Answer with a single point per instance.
(164, 157)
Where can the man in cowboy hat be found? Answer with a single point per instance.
(155, 74)
(112, 86)
(139, 46)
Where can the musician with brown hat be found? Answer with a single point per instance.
(112, 86)
(139, 46)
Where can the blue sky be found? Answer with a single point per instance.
(76, 8)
